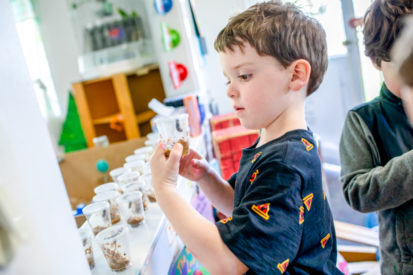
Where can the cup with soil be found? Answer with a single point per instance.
(98, 216)
(114, 243)
(110, 197)
(86, 238)
(172, 130)
(131, 206)
(137, 186)
(150, 192)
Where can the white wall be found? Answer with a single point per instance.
(29, 172)
(60, 46)
(212, 16)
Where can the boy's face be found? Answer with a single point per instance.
(258, 86)
(407, 96)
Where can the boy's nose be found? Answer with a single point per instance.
(231, 91)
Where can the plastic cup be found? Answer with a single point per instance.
(116, 173)
(98, 216)
(135, 166)
(133, 158)
(131, 208)
(150, 192)
(110, 197)
(128, 177)
(86, 238)
(110, 186)
(137, 186)
(146, 152)
(172, 130)
(115, 247)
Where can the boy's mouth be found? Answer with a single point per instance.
(236, 108)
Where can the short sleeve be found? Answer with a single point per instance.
(265, 231)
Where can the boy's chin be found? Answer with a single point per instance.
(249, 125)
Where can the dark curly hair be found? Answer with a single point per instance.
(383, 22)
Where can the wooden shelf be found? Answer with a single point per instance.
(105, 120)
(145, 116)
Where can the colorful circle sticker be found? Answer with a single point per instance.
(163, 6)
(170, 37)
(178, 73)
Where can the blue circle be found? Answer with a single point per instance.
(162, 6)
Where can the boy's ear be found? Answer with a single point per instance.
(301, 70)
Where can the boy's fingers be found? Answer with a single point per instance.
(198, 164)
(159, 151)
(176, 153)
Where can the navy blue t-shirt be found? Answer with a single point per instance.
(281, 222)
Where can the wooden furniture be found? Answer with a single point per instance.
(116, 106)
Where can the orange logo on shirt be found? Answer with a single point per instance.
(256, 156)
(283, 266)
(301, 214)
(254, 176)
(224, 221)
(324, 191)
(262, 210)
(325, 240)
(308, 201)
(308, 145)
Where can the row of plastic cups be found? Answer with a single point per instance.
(108, 208)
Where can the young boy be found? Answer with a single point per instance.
(402, 54)
(279, 221)
(376, 145)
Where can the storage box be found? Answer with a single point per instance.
(219, 122)
(228, 144)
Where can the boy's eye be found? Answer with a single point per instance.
(245, 76)
(228, 82)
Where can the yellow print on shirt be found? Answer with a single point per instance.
(224, 221)
(308, 145)
(283, 266)
(308, 200)
(325, 240)
(254, 176)
(301, 215)
(256, 156)
(262, 210)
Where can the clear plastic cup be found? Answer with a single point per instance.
(135, 166)
(131, 208)
(98, 216)
(110, 186)
(114, 243)
(128, 177)
(86, 238)
(116, 173)
(153, 136)
(133, 158)
(172, 130)
(150, 192)
(110, 197)
(137, 186)
(146, 152)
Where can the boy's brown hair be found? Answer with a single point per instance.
(282, 31)
(382, 23)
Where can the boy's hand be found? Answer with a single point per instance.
(165, 170)
(193, 166)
